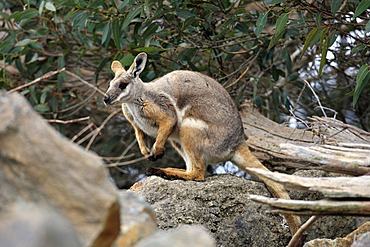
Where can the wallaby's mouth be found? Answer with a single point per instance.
(107, 100)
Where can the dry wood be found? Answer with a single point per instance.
(332, 187)
(270, 141)
(320, 207)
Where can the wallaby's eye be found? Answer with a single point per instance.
(122, 86)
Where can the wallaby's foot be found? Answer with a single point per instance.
(157, 153)
(175, 173)
(160, 173)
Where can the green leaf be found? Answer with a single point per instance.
(189, 21)
(364, 5)
(25, 15)
(324, 48)
(279, 29)
(121, 5)
(107, 32)
(261, 23)
(50, 6)
(358, 48)
(184, 13)
(362, 79)
(367, 27)
(275, 38)
(277, 1)
(116, 30)
(335, 5)
(150, 49)
(127, 60)
(210, 7)
(281, 22)
(41, 8)
(24, 42)
(41, 108)
(312, 38)
(43, 97)
(130, 16)
(318, 19)
(287, 60)
(150, 30)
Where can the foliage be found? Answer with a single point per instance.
(271, 52)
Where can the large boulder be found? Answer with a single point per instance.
(220, 204)
(41, 167)
(137, 217)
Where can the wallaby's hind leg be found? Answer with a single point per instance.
(244, 159)
(191, 153)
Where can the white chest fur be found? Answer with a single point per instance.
(147, 126)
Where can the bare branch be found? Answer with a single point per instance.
(85, 82)
(298, 236)
(130, 162)
(68, 121)
(45, 76)
(97, 131)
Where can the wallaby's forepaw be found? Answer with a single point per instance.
(160, 173)
(145, 153)
(156, 154)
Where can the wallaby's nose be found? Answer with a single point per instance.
(106, 100)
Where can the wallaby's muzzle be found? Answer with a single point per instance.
(107, 100)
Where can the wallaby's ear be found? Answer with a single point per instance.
(138, 65)
(116, 66)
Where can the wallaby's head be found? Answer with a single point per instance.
(126, 85)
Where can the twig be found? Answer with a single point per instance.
(297, 237)
(123, 155)
(97, 131)
(68, 121)
(251, 63)
(82, 131)
(317, 97)
(130, 162)
(47, 75)
(85, 82)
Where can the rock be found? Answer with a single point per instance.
(362, 241)
(220, 204)
(357, 238)
(39, 166)
(137, 218)
(32, 226)
(183, 236)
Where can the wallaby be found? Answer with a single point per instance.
(191, 110)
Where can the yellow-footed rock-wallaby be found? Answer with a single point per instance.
(191, 110)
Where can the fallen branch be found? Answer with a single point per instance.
(332, 187)
(353, 160)
(320, 207)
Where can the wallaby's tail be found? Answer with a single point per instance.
(244, 159)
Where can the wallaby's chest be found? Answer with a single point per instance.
(138, 111)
